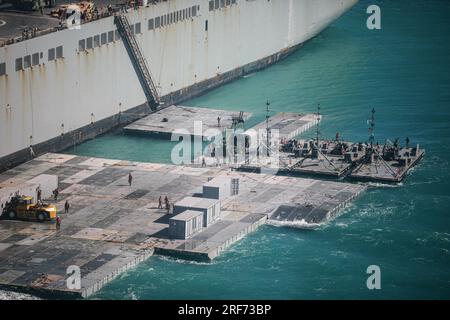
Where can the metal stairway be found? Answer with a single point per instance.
(138, 61)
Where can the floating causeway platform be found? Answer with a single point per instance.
(289, 125)
(290, 165)
(166, 121)
(112, 226)
(386, 171)
(331, 167)
(331, 161)
(321, 201)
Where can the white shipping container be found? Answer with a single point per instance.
(218, 188)
(209, 207)
(186, 224)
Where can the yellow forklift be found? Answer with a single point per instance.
(24, 208)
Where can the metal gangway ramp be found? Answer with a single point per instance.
(138, 60)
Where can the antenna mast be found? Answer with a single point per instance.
(318, 126)
(267, 127)
(371, 122)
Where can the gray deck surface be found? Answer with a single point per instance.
(17, 20)
(180, 117)
(378, 171)
(331, 165)
(334, 166)
(112, 226)
(289, 125)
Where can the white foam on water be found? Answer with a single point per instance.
(133, 295)
(176, 260)
(342, 225)
(299, 224)
(339, 253)
(10, 295)
(381, 185)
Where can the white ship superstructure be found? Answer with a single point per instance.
(67, 86)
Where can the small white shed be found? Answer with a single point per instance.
(186, 224)
(218, 188)
(209, 207)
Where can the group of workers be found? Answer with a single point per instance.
(289, 145)
(160, 201)
(55, 197)
(166, 202)
(67, 205)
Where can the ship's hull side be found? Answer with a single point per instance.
(60, 103)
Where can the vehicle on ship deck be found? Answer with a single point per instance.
(24, 208)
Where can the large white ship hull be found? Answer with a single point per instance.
(57, 103)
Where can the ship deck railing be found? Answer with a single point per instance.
(35, 32)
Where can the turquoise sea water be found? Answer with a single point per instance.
(403, 71)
